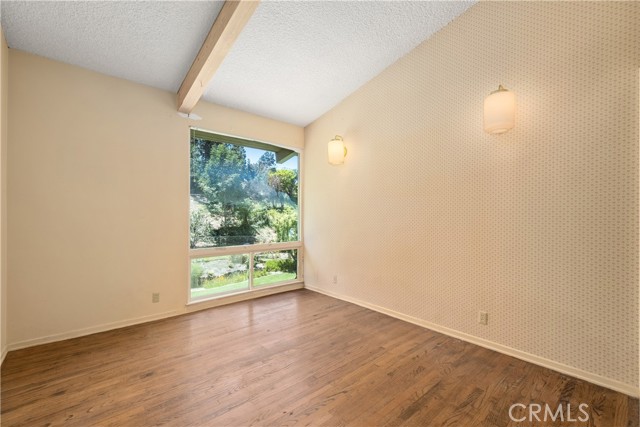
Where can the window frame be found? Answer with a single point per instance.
(248, 249)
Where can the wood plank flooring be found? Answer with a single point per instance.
(298, 358)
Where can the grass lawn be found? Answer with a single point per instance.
(243, 285)
(273, 278)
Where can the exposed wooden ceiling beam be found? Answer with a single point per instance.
(224, 32)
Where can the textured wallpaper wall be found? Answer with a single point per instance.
(432, 218)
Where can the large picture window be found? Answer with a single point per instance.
(244, 215)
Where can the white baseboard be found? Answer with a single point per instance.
(91, 330)
(527, 357)
(144, 319)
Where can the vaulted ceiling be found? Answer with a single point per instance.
(293, 61)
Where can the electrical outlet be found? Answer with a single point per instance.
(155, 297)
(483, 317)
(335, 279)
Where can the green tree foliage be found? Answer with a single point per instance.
(284, 181)
(267, 161)
(285, 223)
(242, 198)
(200, 151)
(200, 228)
(223, 180)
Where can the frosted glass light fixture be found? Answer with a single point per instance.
(499, 111)
(336, 150)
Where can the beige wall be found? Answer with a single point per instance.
(4, 92)
(98, 197)
(433, 220)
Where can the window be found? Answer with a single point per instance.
(244, 215)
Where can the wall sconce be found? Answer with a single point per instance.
(337, 151)
(499, 111)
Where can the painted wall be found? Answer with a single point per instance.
(98, 197)
(4, 92)
(433, 220)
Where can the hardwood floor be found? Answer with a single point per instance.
(298, 358)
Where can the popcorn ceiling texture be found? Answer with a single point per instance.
(433, 218)
(148, 42)
(295, 60)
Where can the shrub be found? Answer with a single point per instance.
(196, 273)
(284, 265)
(200, 227)
(259, 273)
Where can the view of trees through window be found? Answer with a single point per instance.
(240, 195)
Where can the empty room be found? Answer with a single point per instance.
(319, 213)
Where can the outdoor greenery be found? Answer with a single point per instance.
(237, 202)
(221, 271)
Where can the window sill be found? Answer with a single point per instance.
(215, 301)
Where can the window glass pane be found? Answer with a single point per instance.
(219, 275)
(241, 195)
(274, 267)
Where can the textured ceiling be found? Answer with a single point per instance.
(293, 62)
(149, 42)
(296, 60)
